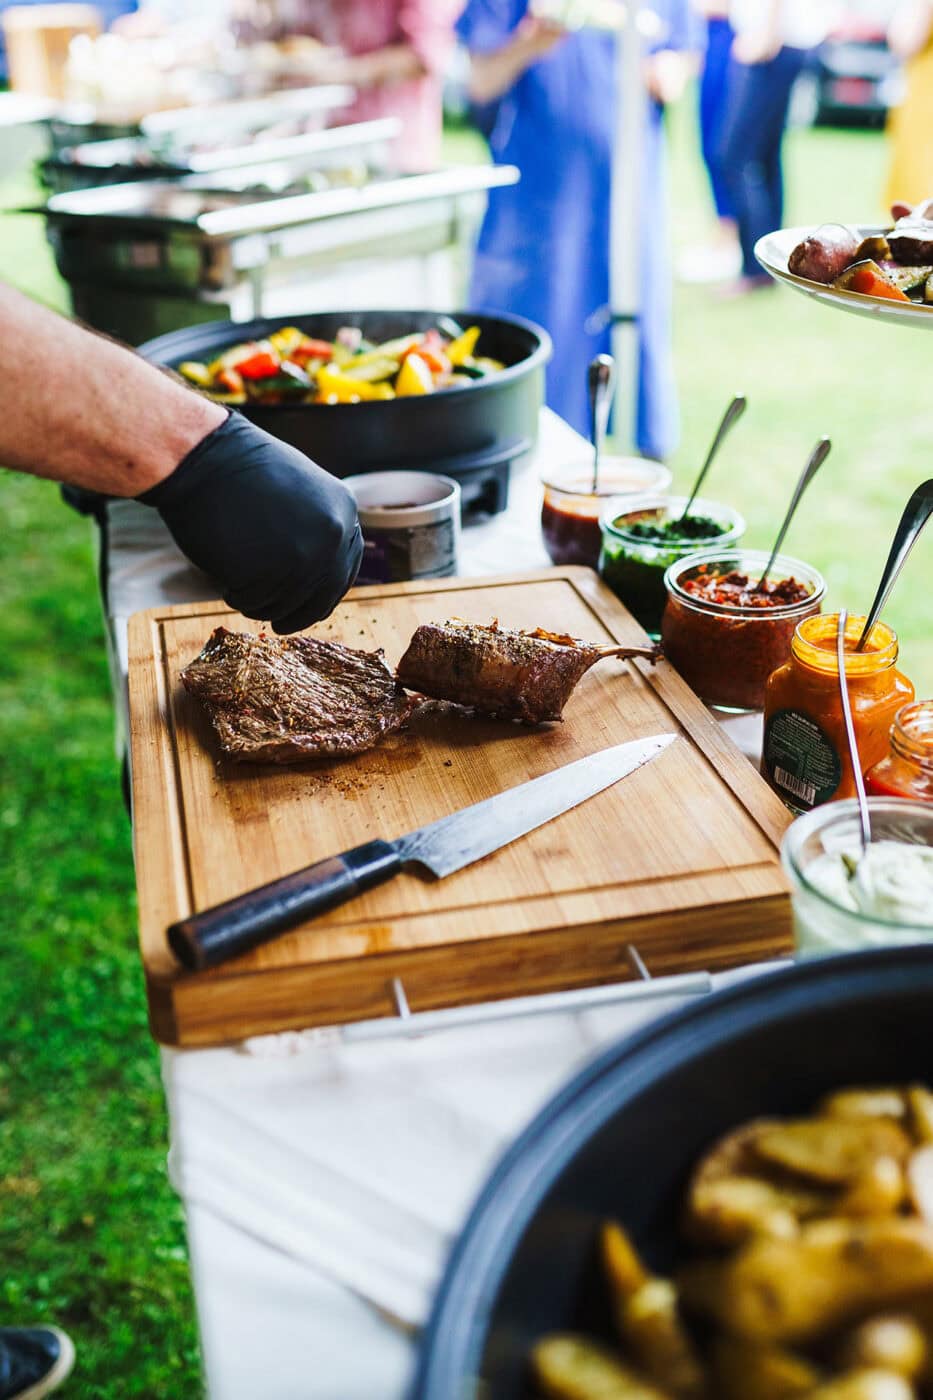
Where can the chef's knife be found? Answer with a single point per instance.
(203, 940)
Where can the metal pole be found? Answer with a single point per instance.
(625, 223)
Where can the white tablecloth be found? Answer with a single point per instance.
(324, 1181)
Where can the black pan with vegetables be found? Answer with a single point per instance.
(478, 420)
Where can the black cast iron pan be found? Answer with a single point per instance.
(621, 1139)
(488, 423)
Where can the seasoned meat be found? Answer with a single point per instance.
(825, 253)
(287, 699)
(911, 239)
(515, 675)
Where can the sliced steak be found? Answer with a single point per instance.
(514, 675)
(288, 699)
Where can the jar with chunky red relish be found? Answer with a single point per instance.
(907, 770)
(723, 633)
(805, 756)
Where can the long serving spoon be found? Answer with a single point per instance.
(916, 514)
(600, 379)
(731, 416)
(816, 459)
(864, 819)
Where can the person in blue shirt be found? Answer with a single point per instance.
(543, 249)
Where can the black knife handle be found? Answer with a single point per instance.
(206, 939)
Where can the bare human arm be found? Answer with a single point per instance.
(397, 63)
(81, 409)
(492, 74)
(278, 534)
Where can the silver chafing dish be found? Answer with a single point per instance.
(119, 161)
(74, 123)
(152, 256)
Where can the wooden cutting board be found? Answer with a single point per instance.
(679, 859)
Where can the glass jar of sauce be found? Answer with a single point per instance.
(571, 508)
(907, 771)
(644, 536)
(724, 633)
(805, 756)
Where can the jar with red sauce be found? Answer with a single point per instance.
(571, 508)
(907, 771)
(723, 634)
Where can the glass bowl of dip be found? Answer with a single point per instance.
(723, 635)
(641, 539)
(889, 900)
(571, 509)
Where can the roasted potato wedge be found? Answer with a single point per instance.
(730, 1210)
(864, 1103)
(880, 1190)
(624, 1269)
(835, 1271)
(731, 1195)
(653, 1334)
(647, 1318)
(920, 1101)
(832, 1150)
(865, 1385)
(751, 1371)
(892, 1342)
(570, 1367)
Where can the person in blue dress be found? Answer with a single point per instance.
(543, 249)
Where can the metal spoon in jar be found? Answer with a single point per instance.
(864, 819)
(916, 514)
(731, 416)
(600, 378)
(816, 459)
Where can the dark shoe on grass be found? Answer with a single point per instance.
(33, 1361)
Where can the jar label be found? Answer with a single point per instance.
(800, 760)
(409, 552)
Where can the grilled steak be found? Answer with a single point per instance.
(514, 675)
(287, 699)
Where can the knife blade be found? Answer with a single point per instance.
(441, 848)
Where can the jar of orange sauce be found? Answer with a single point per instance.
(805, 757)
(908, 769)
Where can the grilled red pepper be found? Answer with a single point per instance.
(262, 365)
(312, 350)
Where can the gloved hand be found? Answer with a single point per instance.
(278, 534)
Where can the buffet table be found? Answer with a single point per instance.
(326, 1172)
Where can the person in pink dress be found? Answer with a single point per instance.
(392, 51)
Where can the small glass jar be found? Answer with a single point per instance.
(907, 771)
(571, 509)
(805, 756)
(633, 566)
(726, 651)
(813, 853)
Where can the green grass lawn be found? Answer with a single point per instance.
(90, 1234)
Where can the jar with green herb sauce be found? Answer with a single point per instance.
(642, 537)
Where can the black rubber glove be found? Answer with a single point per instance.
(279, 535)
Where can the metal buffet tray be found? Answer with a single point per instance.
(166, 205)
(188, 234)
(74, 122)
(134, 158)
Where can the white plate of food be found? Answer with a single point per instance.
(870, 270)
